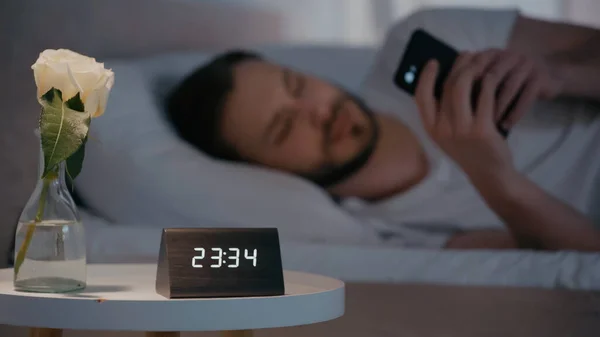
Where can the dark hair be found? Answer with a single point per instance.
(195, 106)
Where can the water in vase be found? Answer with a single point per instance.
(56, 258)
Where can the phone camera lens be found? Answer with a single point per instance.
(409, 77)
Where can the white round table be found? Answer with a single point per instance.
(123, 297)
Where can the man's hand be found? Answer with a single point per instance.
(573, 50)
(520, 77)
(468, 136)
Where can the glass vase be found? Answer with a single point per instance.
(50, 248)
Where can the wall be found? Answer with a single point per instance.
(364, 22)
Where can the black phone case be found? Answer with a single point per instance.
(423, 47)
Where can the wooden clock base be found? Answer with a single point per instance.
(162, 334)
(44, 332)
(235, 333)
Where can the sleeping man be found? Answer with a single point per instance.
(437, 173)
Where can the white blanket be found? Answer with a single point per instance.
(119, 243)
(555, 145)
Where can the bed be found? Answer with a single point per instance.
(188, 193)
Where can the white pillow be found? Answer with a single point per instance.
(137, 171)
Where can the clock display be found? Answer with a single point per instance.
(221, 257)
(212, 262)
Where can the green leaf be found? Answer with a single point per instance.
(63, 128)
(75, 103)
(75, 161)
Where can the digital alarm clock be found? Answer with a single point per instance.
(219, 262)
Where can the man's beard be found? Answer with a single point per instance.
(333, 174)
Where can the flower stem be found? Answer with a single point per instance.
(31, 226)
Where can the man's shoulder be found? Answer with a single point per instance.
(463, 28)
(426, 18)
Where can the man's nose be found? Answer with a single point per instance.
(316, 111)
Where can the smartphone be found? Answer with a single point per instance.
(423, 47)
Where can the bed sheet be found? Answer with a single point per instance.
(114, 243)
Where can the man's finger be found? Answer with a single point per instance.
(425, 94)
(501, 70)
(511, 87)
(486, 59)
(448, 99)
(486, 103)
(501, 65)
(526, 99)
(461, 93)
(463, 60)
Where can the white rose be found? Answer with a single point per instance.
(71, 73)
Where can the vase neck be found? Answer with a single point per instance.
(51, 199)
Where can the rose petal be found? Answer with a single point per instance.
(57, 76)
(73, 82)
(103, 94)
(92, 103)
(40, 75)
(89, 81)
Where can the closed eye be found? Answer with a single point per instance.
(294, 83)
(300, 85)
